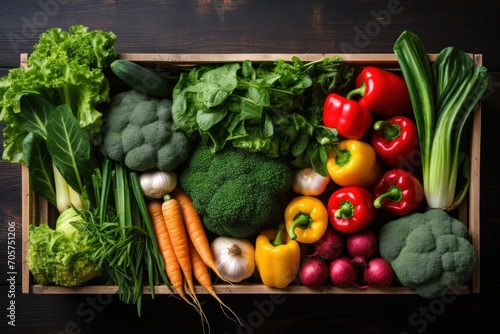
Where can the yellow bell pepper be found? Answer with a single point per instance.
(354, 163)
(306, 219)
(277, 257)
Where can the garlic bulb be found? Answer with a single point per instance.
(156, 183)
(307, 181)
(235, 258)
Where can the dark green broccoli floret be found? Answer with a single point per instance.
(138, 131)
(236, 192)
(430, 252)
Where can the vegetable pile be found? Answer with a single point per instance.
(279, 173)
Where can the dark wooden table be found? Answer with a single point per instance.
(244, 26)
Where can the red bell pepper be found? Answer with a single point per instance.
(382, 92)
(351, 120)
(396, 142)
(350, 209)
(399, 192)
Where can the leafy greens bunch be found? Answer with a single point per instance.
(274, 108)
(49, 109)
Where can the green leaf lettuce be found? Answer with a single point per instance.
(66, 67)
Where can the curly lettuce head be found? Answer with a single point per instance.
(66, 67)
(62, 256)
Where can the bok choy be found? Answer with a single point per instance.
(443, 95)
(57, 152)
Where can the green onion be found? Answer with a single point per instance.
(122, 195)
(151, 243)
(443, 96)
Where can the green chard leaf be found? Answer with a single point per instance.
(40, 168)
(35, 111)
(69, 147)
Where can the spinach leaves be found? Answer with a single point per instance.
(271, 107)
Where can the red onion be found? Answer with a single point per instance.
(378, 273)
(362, 245)
(313, 273)
(330, 245)
(344, 272)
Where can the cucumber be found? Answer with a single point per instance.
(142, 79)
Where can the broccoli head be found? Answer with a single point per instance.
(236, 192)
(430, 252)
(138, 131)
(61, 256)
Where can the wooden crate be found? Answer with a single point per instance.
(36, 210)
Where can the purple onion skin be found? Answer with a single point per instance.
(378, 273)
(313, 273)
(363, 244)
(331, 245)
(343, 272)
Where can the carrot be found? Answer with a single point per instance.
(194, 228)
(202, 275)
(172, 266)
(172, 215)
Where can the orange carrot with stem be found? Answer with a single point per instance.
(172, 215)
(202, 275)
(172, 266)
(195, 228)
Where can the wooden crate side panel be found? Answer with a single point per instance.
(193, 59)
(474, 194)
(237, 289)
(475, 185)
(27, 213)
(27, 210)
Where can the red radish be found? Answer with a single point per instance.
(344, 273)
(378, 273)
(362, 245)
(313, 273)
(330, 245)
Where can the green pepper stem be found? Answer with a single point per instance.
(345, 211)
(302, 220)
(391, 130)
(278, 240)
(394, 193)
(342, 157)
(357, 91)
